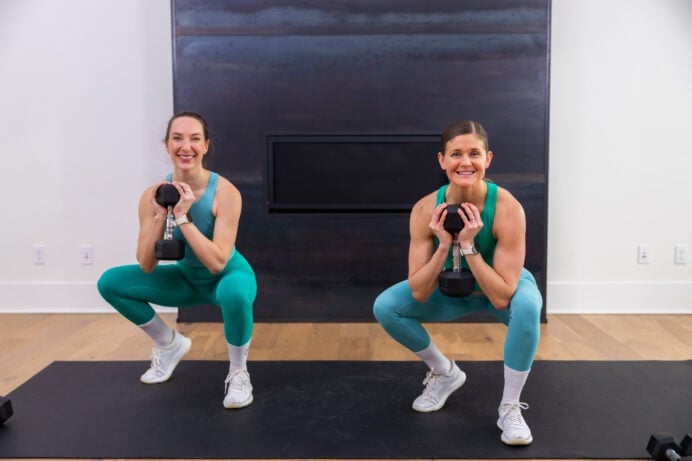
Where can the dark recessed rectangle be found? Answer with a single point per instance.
(350, 173)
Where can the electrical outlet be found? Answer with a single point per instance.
(39, 254)
(87, 254)
(644, 254)
(680, 253)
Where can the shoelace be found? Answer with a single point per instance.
(430, 382)
(156, 357)
(512, 416)
(155, 360)
(235, 380)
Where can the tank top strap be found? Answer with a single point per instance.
(440, 199)
(213, 181)
(485, 242)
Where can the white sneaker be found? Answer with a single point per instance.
(437, 388)
(514, 429)
(238, 389)
(165, 359)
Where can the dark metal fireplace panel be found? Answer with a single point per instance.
(301, 172)
(326, 116)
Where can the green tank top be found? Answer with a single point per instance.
(201, 212)
(485, 242)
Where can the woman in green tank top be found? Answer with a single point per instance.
(211, 272)
(492, 241)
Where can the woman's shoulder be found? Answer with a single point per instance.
(506, 198)
(425, 205)
(225, 186)
(221, 181)
(508, 206)
(428, 200)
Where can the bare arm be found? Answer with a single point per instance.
(214, 253)
(152, 221)
(425, 262)
(499, 281)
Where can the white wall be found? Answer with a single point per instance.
(86, 90)
(620, 155)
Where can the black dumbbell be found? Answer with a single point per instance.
(453, 223)
(457, 281)
(664, 448)
(5, 409)
(686, 446)
(168, 248)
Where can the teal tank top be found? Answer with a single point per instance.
(485, 242)
(202, 216)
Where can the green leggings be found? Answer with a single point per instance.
(130, 291)
(402, 316)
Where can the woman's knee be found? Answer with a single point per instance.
(237, 282)
(234, 303)
(108, 283)
(236, 298)
(525, 312)
(389, 304)
(383, 308)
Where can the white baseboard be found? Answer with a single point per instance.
(562, 298)
(619, 298)
(55, 298)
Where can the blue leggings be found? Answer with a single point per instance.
(401, 316)
(130, 290)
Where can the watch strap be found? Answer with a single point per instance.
(469, 251)
(182, 220)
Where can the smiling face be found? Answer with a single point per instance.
(186, 142)
(465, 159)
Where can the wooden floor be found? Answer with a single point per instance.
(29, 342)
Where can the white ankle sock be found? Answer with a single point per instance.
(433, 358)
(237, 356)
(514, 384)
(157, 329)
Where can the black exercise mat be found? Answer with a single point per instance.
(579, 409)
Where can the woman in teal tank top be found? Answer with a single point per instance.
(212, 271)
(493, 243)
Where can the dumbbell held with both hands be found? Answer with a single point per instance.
(457, 281)
(168, 248)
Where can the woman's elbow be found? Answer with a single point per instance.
(501, 301)
(420, 295)
(147, 268)
(217, 266)
(500, 304)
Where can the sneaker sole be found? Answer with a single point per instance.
(443, 400)
(234, 406)
(187, 342)
(513, 442)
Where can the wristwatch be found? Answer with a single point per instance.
(469, 251)
(184, 219)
